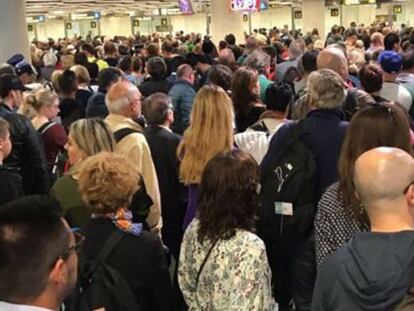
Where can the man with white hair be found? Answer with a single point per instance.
(124, 105)
(374, 270)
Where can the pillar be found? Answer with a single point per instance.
(224, 21)
(13, 29)
(313, 13)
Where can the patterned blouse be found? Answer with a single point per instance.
(236, 276)
(333, 225)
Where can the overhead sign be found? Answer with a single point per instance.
(298, 14)
(85, 15)
(397, 9)
(35, 19)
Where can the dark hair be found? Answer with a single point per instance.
(93, 70)
(227, 197)
(167, 46)
(221, 75)
(123, 50)
(106, 77)
(157, 67)
(32, 237)
(372, 126)
(279, 96)
(223, 44)
(408, 60)
(371, 78)
(244, 80)
(390, 40)
(156, 107)
(67, 82)
(230, 39)
(153, 50)
(308, 61)
(125, 63)
(88, 48)
(109, 48)
(136, 64)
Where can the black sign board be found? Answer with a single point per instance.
(29, 27)
(136, 23)
(93, 24)
(334, 12)
(298, 14)
(68, 26)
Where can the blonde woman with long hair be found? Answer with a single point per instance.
(210, 133)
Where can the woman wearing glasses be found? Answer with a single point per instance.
(340, 215)
(107, 182)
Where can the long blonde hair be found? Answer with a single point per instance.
(210, 132)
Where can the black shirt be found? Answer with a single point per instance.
(11, 187)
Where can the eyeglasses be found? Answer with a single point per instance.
(79, 239)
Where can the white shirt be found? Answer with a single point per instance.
(5, 306)
(392, 91)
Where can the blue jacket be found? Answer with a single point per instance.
(182, 94)
(326, 132)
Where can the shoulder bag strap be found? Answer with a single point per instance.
(204, 261)
(45, 127)
(124, 132)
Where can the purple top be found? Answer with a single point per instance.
(191, 206)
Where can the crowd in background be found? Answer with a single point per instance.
(271, 173)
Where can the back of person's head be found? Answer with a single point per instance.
(226, 57)
(156, 108)
(109, 48)
(82, 74)
(41, 98)
(37, 253)
(136, 64)
(210, 132)
(88, 48)
(377, 38)
(308, 61)
(383, 180)
(81, 59)
(107, 182)
(7, 69)
(183, 71)
(279, 96)
(157, 67)
(391, 62)
(372, 126)
(230, 39)
(123, 50)
(125, 64)
(67, 61)
(333, 58)
(167, 46)
(9, 83)
(153, 49)
(227, 198)
(91, 136)
(326, 89)
(243, 88)
(371, 78)
(50, 59)
(120, 96)
(296, 48)
(221, 75)
(54, 79)
(107, 77)
(258, 60)
(67, 82)
(93, 70)
(390, 40)
(408, 60)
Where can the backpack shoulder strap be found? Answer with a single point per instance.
(109, 245)
(124, 132)
(45, 127)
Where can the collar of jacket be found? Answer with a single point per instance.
(336, 113)
(183, 82)
(4, 106)
(120, 119)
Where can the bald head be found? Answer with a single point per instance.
(381, 176)
(334, 59)
(123, 98)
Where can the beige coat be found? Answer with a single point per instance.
(135, 148)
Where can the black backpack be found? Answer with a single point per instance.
(289, 186)
(101, 286)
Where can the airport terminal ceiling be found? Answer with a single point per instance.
(57, 8)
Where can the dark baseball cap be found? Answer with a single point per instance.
(15, 59)
(391, 61)
(9, 82)
(24, 67)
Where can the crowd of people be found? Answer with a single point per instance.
(171, 173)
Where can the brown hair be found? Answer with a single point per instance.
(372, 126)
(107, 181)
(227, 196)
(244, 80)
(4, 128)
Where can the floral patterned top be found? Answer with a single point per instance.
(236, 276)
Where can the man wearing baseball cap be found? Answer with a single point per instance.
(26, 155)
(391, 64)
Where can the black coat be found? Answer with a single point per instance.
(151, 86)
(27, 155)
(163, 145)
(140, 260)
(10, 185)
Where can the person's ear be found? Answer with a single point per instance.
(410, 195)
(58, 273)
